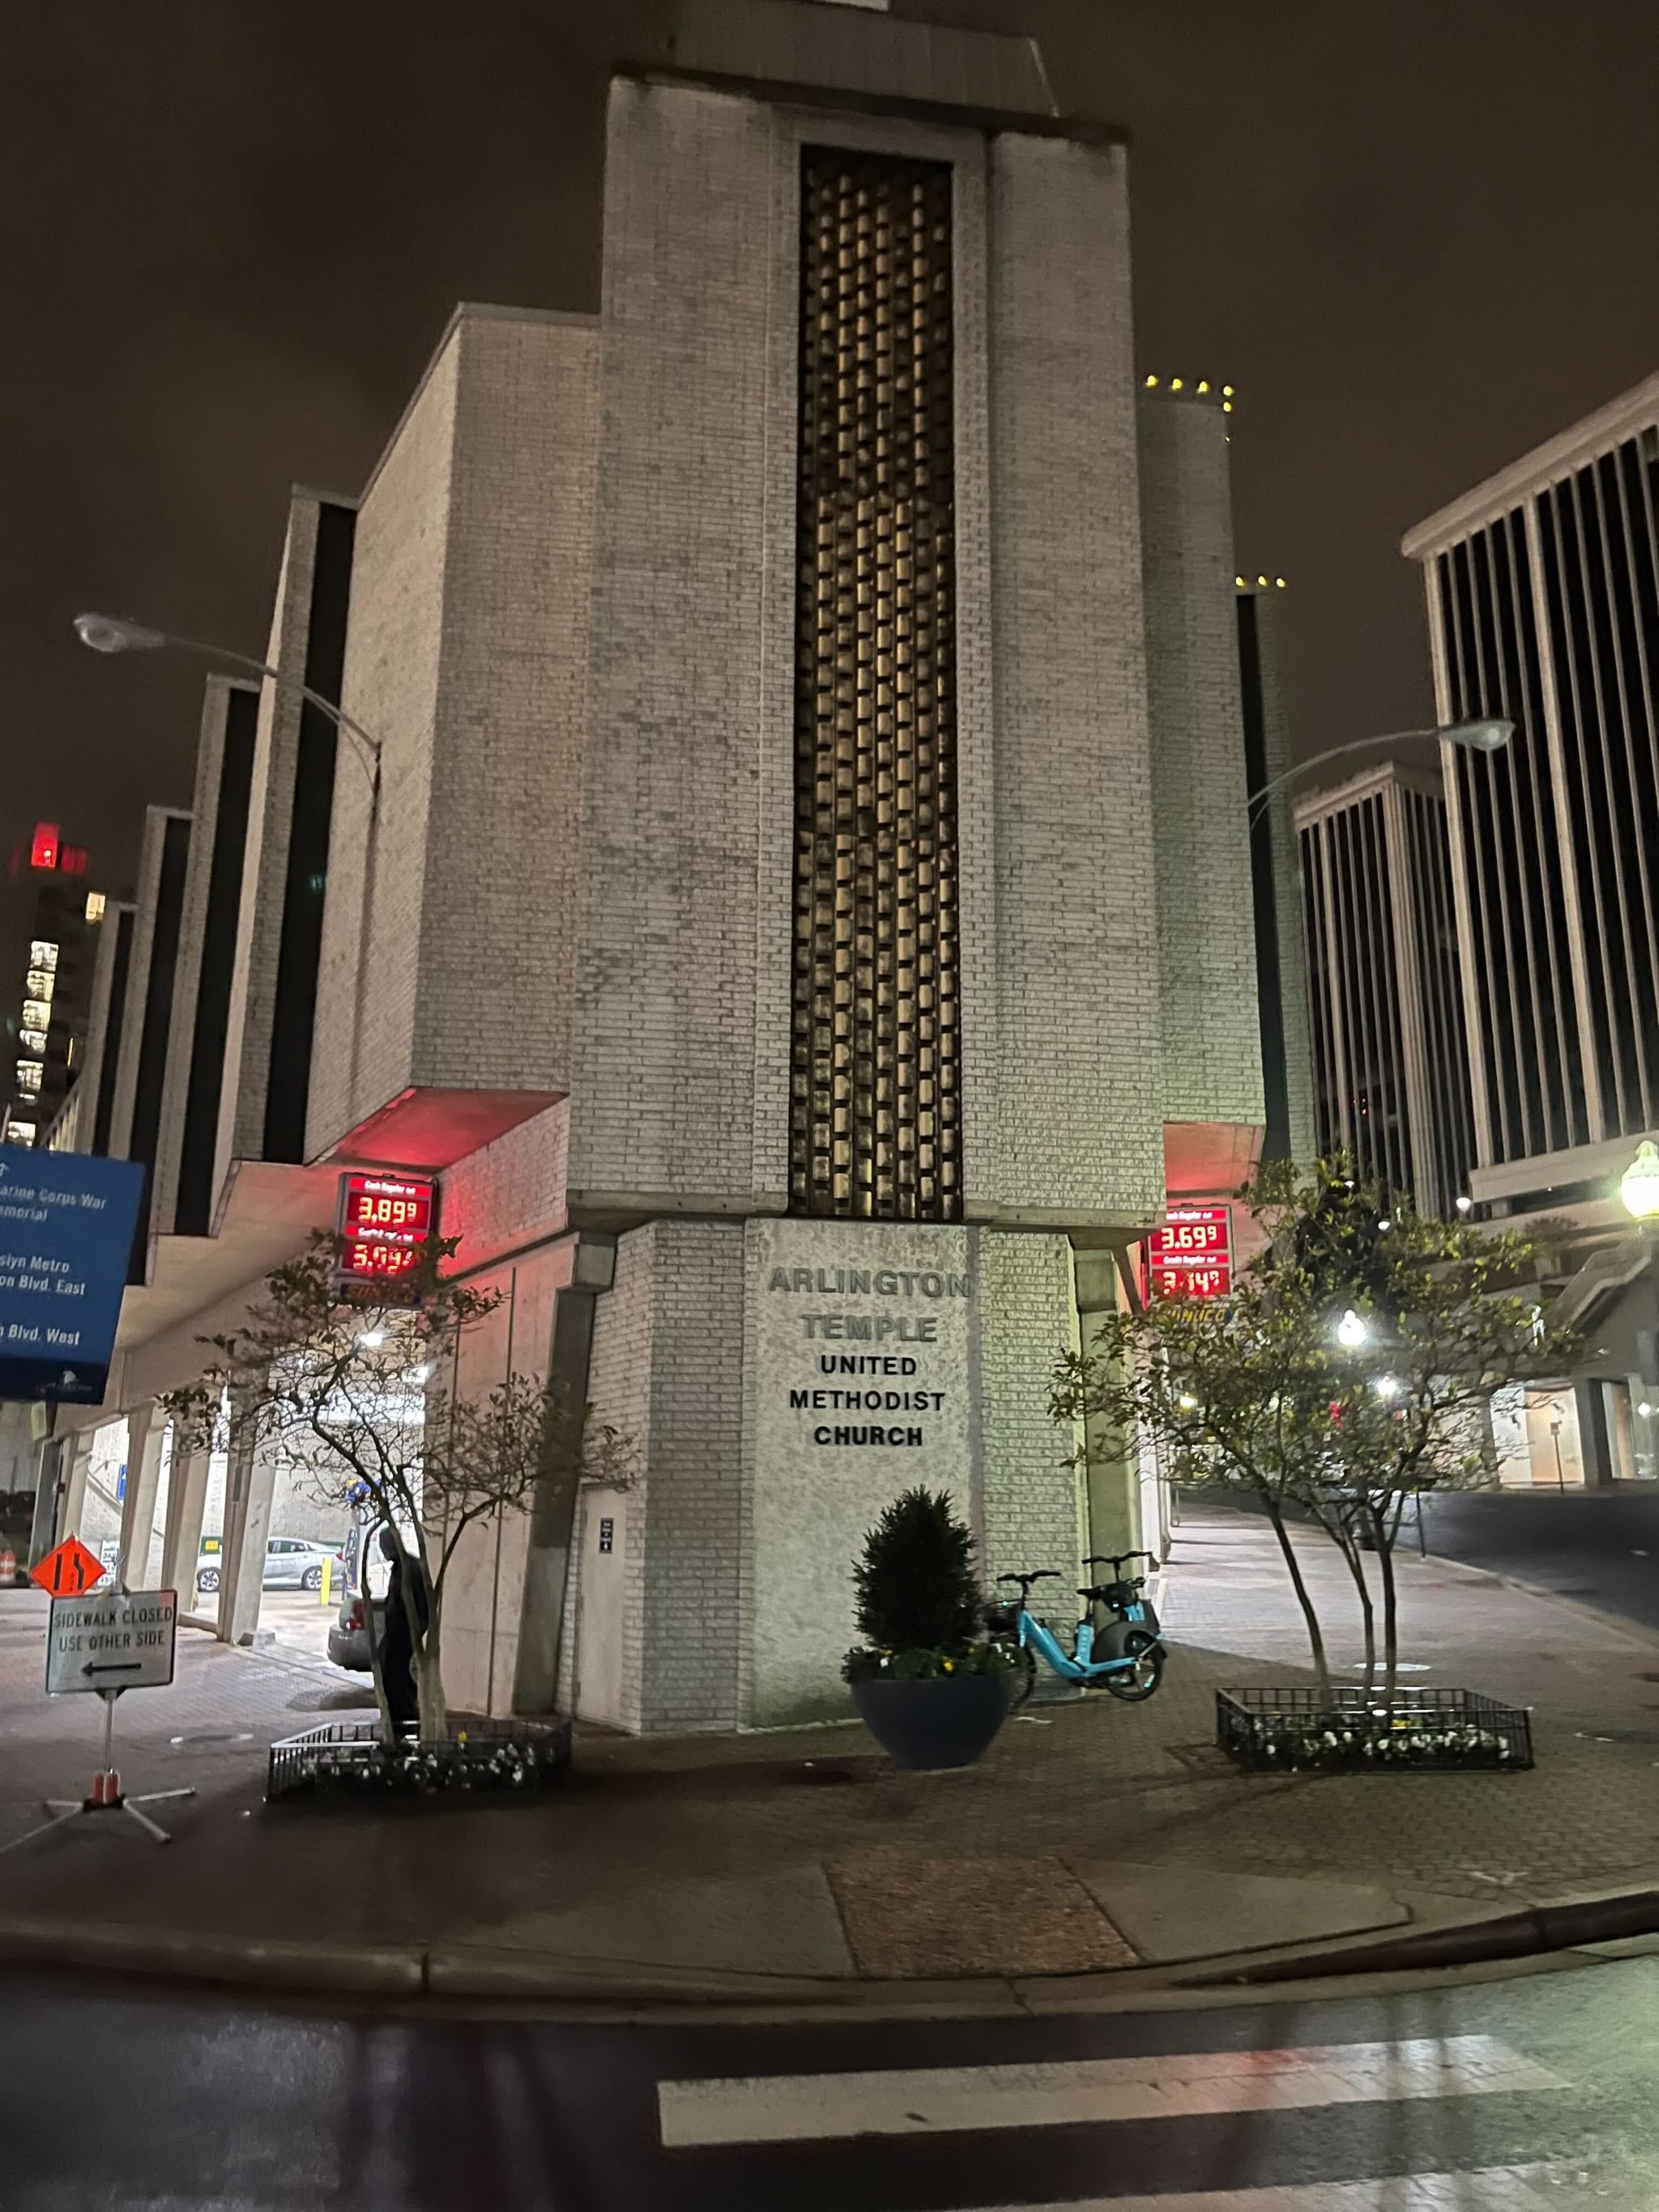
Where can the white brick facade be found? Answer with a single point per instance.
(447, 952)
(1210, 1046)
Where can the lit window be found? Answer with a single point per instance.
(43, 853)
(28, 1075)
(20, 1133)
(43, 954)
(34, 1039)
(37, 1014)
(94, 906)
(42, 983)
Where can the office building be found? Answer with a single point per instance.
(1389, 1048)
(48, 1025)
(1543, 600)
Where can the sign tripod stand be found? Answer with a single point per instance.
(105, 1796)
(122, 1640)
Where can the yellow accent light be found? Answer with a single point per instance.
(1226, 392)
(1202, 386)
(1176, 384)
(1152, 384)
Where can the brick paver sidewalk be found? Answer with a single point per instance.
(1098, 1832)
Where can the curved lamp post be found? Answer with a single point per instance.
(115, 634)
(1481, 733)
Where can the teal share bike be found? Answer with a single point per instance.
(1124, 1656)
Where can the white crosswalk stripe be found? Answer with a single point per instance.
(803, 2108)
(1494, 2189)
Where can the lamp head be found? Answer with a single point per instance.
(1351, 1330)
(111, 634)
(1480, 733)
(1639, 1184)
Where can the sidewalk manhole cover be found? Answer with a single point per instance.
(210, 1737)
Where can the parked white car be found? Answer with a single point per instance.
(291, 1563)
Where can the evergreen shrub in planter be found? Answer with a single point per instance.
(927, 1687)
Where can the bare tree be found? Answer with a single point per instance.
(355, 1390)
(1259, 1393)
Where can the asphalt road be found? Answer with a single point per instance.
(1533, 2092)
(1600, 1547)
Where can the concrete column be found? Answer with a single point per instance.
(144, 1435)
(553, 1515)
(77, 1458)
(1595, 1446)
(247, 1525)
(1113, 1473)
(181, 1543)
(48, 1495)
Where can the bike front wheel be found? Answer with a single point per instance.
(1021, 1674)
(1133, 1683)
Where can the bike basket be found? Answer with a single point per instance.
(1002, 1619)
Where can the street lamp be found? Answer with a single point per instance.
(115, 634)
(1477, 733)
(1351, 1330)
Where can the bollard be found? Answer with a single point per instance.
(327, 1582)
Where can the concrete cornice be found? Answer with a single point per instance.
(465, 311)
(1319, 804)
(1635, 409)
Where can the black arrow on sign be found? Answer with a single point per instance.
(114, 1667)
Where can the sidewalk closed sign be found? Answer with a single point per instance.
(112, 1643)
(66, 1224)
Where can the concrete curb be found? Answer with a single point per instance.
(260, 1962)
(481, 1974)
(1569, 1926)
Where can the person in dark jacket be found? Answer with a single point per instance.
(396, 1645)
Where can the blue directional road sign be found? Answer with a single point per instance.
(66, 1228)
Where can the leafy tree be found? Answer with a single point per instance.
(355, 1392)
(1258, 1393)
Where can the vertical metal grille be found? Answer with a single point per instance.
(1529, 1037)
(875, 1126)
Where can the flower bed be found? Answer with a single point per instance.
(1353, 1731)
(352, 1758)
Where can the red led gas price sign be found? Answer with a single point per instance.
(1191, 1256)
(384, 1220)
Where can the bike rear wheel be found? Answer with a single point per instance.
(1137, 1682)
(1021, 1674)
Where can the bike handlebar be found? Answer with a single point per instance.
(1115, 1560)
(1042, 1574)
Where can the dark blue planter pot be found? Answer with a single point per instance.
(950, 1721)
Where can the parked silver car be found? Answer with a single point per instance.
(291, 1563)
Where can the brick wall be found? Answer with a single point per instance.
(446, 942)
(1034, 1513)
(1078, 1133)
(1209, 1037)
(264, 866)
(204, 809)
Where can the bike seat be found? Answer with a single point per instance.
(1114, 1593)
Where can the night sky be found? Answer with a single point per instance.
(1416, 236)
